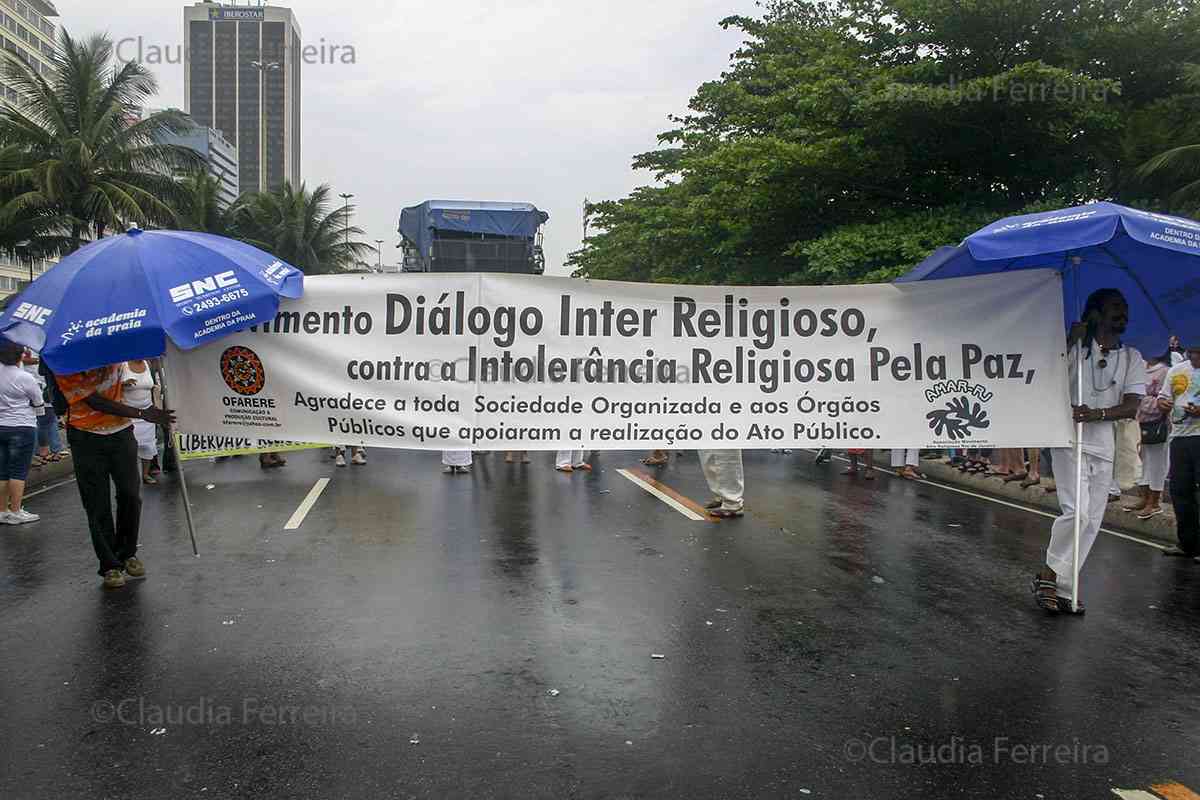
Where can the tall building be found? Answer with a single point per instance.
(219, 154)
(242, 77)
(27, 30)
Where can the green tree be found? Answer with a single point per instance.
(77, 156)
(200, 207)
(301, 227)
(848, 140)
(1175, 170)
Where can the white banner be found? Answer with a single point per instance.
(487, 361)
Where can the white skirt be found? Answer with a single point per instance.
(146, 434)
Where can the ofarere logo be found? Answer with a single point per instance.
(31, 313)
(194, 289)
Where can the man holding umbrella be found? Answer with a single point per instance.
(100, 430)
(1113, 384)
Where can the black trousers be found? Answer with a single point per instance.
(1185, 471)
(99, 461)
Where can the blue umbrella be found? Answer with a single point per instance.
(121, 297)
(1153, 259)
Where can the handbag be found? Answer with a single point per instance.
(1157, 431)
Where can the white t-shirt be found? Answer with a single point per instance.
(1182, 387)
(140, 395)
(20, 398)
(1124, 372)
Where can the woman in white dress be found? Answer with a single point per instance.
(140, 393)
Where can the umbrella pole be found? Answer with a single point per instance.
(1079, 500)
(173, 444)
(187, 506)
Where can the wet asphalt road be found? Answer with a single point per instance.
(405, 642)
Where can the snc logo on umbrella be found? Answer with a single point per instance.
(243, 371)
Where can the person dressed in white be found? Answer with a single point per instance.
(358, 456)
(571, 461)
(908, 462)
(456, 462)
(20, 405)
(1114, 382)
(1155, 455)
(140, 394)
(726, 480)
(1180, 397)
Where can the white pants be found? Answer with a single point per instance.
(726, 477)
(906, 458)
(568, 458)
(1156, 463)
(456, 458)
(1097, 475)
(146, 434)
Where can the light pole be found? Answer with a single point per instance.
(263, 68)
(379, 249)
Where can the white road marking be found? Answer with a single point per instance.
(1134, 794)
(1017, 506)
(306, 506)
(51, 488)
(666, 498)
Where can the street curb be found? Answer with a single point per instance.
(49, 474)
(1160, 529)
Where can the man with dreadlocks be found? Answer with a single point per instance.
(1114, 381)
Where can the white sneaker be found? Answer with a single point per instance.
(359, 458)
(6, 518)
(21, 517)
(340, 460)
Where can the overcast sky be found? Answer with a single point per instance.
(541, 102)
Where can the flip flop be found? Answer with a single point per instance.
(1016, 477)
(1025, 484)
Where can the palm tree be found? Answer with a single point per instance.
(300, 227)
(1179, 167)
(201, 208)
(77, 153)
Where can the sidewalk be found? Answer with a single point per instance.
(1160, 529)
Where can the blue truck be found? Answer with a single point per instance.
(473, 236)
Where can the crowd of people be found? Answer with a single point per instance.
(1136, 413)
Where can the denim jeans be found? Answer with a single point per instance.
(48, 434)
(16, 452)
